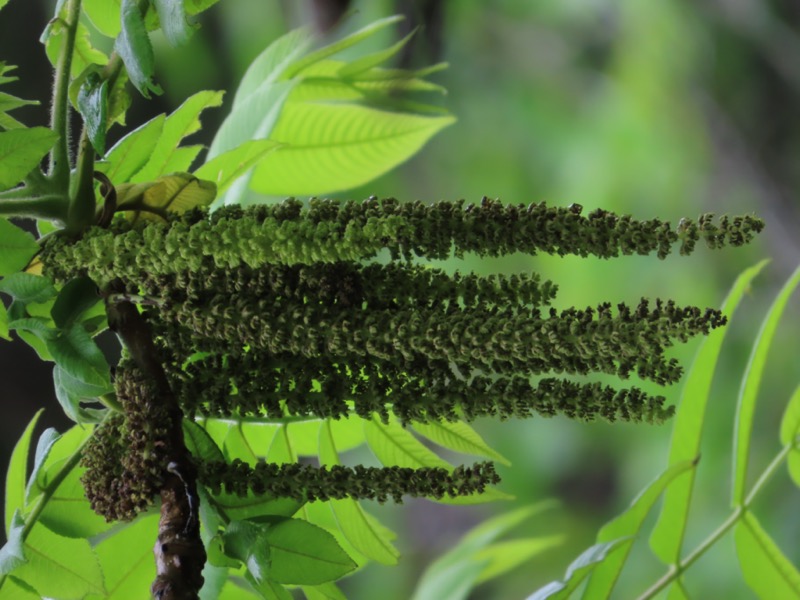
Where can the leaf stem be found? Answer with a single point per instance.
(59, 120)
(676, 570)
(50, 207)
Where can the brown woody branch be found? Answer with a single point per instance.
(179, 551)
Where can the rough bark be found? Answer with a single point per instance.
(179, 551)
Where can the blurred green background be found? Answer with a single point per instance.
(665, 109)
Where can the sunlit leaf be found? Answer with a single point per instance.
(281, 450)
(21, 150)
(60, 567)
(104, 15)
(155, 200)
(458, 436)
(84, 53)
(331, 147)
(765, 568)
(68, 512)
(325, 591)
(395, 446)
(748, 393)
(43, 446)
(229, 166)
(185, 120)
(132, 152)
(247, 542)
(199, 443)
(138, 569)
(666, 539)
(305, 554)
(362, 530)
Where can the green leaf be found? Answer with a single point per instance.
(331, 147)
(19, 590)
(75, 298)
(326, 591)
(666, 539)
(268, 589)
(304, 554)
(68, 512)
(578, 570)
(104, 15)
(126, 558)
(132, 152)
(28, 288)
(362, 530)
(351, 40)
(281, 449)
(21, 150)
(71, 393)
(252, 506)
(156, 200)
(134, 47)
(12, 554)
(460, 437)
(60, 567)
(395, 446)
(748, 393)
(247, 542)
(365, 63)
(765, 568)
(502, 557)
(17, 474)
(790, 430)
(348, 433)
(43, 446)
(93, 106)
(199, 443)
(628, 525)
(78, 355)
(164, 157)
(4, 322)
(456, 572)
(268, 68)
(172, 16)
(229, 166)
(7, 103)
(84, 54)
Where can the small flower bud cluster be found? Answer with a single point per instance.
(307, 484)
(125, 458)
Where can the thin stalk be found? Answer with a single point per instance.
(678, 569)
(59, 121)
(82, 204)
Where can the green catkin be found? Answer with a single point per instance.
(275, 387)
(305, 483)
(572, 341)
(269, 311)
(351, 285)
(330, 231)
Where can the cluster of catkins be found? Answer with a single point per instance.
(282, 311)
